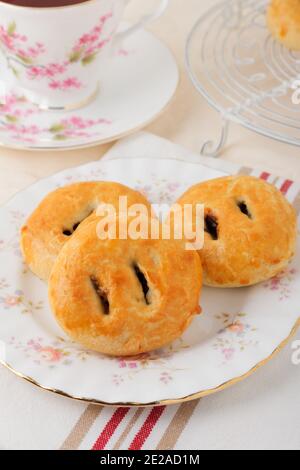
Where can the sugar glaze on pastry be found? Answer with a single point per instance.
(250, 230)
(124, 297)
(59, 215)
(283, 19)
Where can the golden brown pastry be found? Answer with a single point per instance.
(124, 297)
(250, 230)
(59, 215)
(283, 20)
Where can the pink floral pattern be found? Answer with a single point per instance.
(13, 114)
(3, 284)
(11, 300)
(123, 52)
(16, 46)
(15, 111)
(166, 378)
(75, 126)
(48, 71)
(51, 355)
(95, 174)
(90, 44)
(117, 380)
(17, 299)
(281, 283)
(52, 70)
(236, 335)
(155, 360)
(19, 52)
(12, 243)
(159, 190)
(67, 84)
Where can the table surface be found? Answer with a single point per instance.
(188, 121)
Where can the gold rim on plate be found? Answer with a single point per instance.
(164, 402)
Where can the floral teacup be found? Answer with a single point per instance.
(54, 55)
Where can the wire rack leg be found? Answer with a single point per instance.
(210, 148)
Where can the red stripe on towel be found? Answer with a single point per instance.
(286, 186)
(110, 428)
(265, 176)
(147, 428)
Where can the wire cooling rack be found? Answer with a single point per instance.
(246, 75)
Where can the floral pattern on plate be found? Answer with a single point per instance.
(12, 243)
(156, 360)
(281, 283)
(16, 299)
(53, 354)
(236, 336)
(235, 332)
(159, 190)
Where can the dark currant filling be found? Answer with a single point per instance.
(244, 209)
(102, 295)
(143, 282)
(69, 232)
(211, 226)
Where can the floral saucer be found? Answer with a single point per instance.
(131, 94)
(239, 331)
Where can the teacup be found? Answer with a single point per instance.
(54, 55)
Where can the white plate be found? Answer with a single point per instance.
(137, 86)
(239, 330)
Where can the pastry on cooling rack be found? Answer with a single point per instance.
(59, 215)
(124, 297)
(283, 20)
(250, 230)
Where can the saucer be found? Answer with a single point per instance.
(139, 83)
